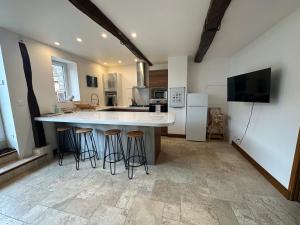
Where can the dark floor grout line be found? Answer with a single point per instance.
(13, 218)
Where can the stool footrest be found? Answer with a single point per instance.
(117, 156)
(139, 160)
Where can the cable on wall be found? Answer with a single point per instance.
(245, 132)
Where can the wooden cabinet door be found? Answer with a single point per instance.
(158, 78)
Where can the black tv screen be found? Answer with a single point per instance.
(91, 81)
(250, 87)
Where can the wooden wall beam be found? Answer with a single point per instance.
(211, 26)
(93, 12)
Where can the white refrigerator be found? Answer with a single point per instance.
(196, 122)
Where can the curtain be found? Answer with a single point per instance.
(37, 127)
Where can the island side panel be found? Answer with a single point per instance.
(151, 137)
(157, 141)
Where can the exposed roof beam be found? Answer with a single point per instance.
(212, 25)
(92, 11)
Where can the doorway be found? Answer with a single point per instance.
(294, 187)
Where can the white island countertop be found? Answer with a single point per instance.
(147, 119)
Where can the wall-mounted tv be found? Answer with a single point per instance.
(250, 87)
(91, 81)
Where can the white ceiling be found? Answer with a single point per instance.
(164, 27)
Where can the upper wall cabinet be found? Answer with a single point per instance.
(158, 78)
(110, 82)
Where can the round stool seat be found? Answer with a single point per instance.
(83, 130)
(112, 132)
(135, 133)
(62, 129)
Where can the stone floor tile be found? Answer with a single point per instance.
(55, 217)
(192, 183)
(172, 211)
(4, 220)
(108, 215)
(195, 214)
(145, 212)
(166, 221)
(243, 214)
(81, 207)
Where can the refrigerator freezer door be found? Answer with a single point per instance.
(197, 99)
(196, 123)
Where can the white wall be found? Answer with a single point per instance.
(159, 67)
(40, 55)
(272, 135)
(177, 77)
(210, 76)
(5, 109)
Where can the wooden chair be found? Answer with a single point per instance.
(216, 121)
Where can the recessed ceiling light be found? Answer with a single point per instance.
(133, 35)
(78, 39)
(57, 43)
(136, 60)
(105, 63)
(120, 61)
(104, 35)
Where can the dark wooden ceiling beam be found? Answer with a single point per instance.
(211, 26)
(93, 12)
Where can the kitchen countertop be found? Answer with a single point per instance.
(147, 119)
(103, 108)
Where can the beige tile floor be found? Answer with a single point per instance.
(194, 183)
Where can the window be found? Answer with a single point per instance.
(60, 80)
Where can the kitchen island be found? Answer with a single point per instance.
(148, 122)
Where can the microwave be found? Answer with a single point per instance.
(159, 93)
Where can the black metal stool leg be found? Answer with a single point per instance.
(105, 150)
(142, 143)
(122, 149)
(74, 146)
(113, 150)
(136, 157)
(94, 146)
(88, 151)
(128, 158)
(59, 148)
(113, 172)
(77, 152)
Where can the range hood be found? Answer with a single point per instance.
(142, 74)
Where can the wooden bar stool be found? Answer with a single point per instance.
(65, 143)
(137, 157)
(113, 149)
(85, 149)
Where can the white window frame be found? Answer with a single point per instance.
(66, 80)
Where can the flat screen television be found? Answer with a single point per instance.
(91, 81)
(250, 87)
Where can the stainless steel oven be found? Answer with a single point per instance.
(111, 98)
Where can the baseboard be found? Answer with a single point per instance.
(176, 135)
(283, 190)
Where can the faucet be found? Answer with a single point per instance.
(92, 99)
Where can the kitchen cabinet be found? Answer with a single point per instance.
(110, 82)
(158, 78)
